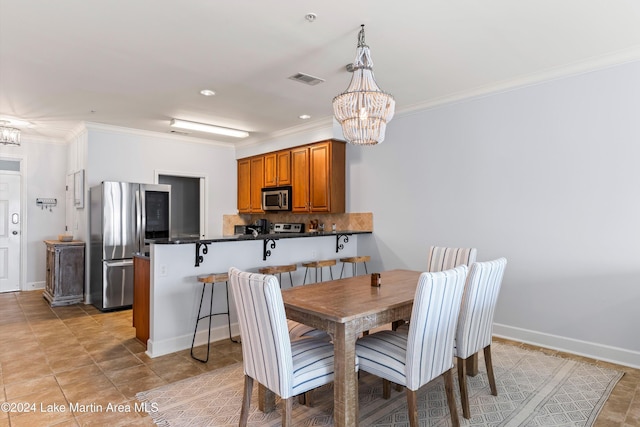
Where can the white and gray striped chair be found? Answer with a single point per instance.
(415, 359)
(475, 324)
(443, 258)
(269, 357)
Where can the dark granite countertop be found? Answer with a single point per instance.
(244, 237)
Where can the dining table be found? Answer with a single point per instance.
(347, 308)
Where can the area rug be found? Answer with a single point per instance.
(534, 389)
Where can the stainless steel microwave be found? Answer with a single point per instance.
(276, 199)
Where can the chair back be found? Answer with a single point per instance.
(434, 318)
(266, 348)
(441, 258)
(475, 326)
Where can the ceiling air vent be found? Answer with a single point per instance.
(306, 79)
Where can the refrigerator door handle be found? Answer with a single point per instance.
(120, 263)
(139, 222)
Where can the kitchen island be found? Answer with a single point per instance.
(174, 292)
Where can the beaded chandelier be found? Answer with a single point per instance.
(363, 110)
(9, 135)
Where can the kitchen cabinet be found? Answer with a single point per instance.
(277, 168)
(65, 272)
(244, 186)
(141, 297)
(257, 182)
(318, 177)
(300, 179)
(316, 173)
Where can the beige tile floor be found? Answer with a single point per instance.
(54, 357)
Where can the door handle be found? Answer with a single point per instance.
(14, 232)
(15, 218)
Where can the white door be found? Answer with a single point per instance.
(10, 232)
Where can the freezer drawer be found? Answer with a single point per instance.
(118, 284)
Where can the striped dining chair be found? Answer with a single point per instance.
(287, 368)
(475, 324)
(426, 352)
(442, 258)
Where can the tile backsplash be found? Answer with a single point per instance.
(344, 221)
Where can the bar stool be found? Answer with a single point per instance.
(354, 260)
(318, 265)
(213, 279)
(279, 269)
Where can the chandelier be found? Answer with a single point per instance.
(9, 135)
(363, 110)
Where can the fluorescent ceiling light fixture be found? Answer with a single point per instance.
(304, 116)
(207, 92)
(202, 127)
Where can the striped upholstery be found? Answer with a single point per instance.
(427, 351)
(300, 330)
(475, 324)
(441, 258)
(269, 357)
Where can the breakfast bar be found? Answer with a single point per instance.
(174, 264)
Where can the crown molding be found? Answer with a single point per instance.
(556, 73)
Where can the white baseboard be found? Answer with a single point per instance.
(183, 342)
(620, 356)
(32, 286)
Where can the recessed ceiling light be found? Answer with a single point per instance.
(203, 127)
(304, 116)
(207, 92)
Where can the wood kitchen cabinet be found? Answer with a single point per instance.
(257, 182)
(141, 297)
(250, 183)
(277, 169)
(244, 185)
(65, 272)
(318, 177)
(300, 179)
(316, 173)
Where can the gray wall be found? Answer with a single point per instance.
(545, 175)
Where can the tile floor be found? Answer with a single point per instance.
(76, 355)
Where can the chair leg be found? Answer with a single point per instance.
(412, 408)
(246, 400)
(342, 270)
(287, 408)
(386, 388)
(451, 400)
(462, 383)
(489, 365)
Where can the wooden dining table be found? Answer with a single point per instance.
(346, 308)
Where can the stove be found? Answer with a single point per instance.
(288, 228)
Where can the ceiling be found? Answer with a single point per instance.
(140, 63)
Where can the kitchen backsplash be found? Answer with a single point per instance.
(343, 221)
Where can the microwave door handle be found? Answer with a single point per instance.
(280, 200)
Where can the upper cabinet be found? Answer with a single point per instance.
(244, 185)
(250, 183)
(277, 168)
(316, 173)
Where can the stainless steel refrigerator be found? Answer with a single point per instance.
(125, 218)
